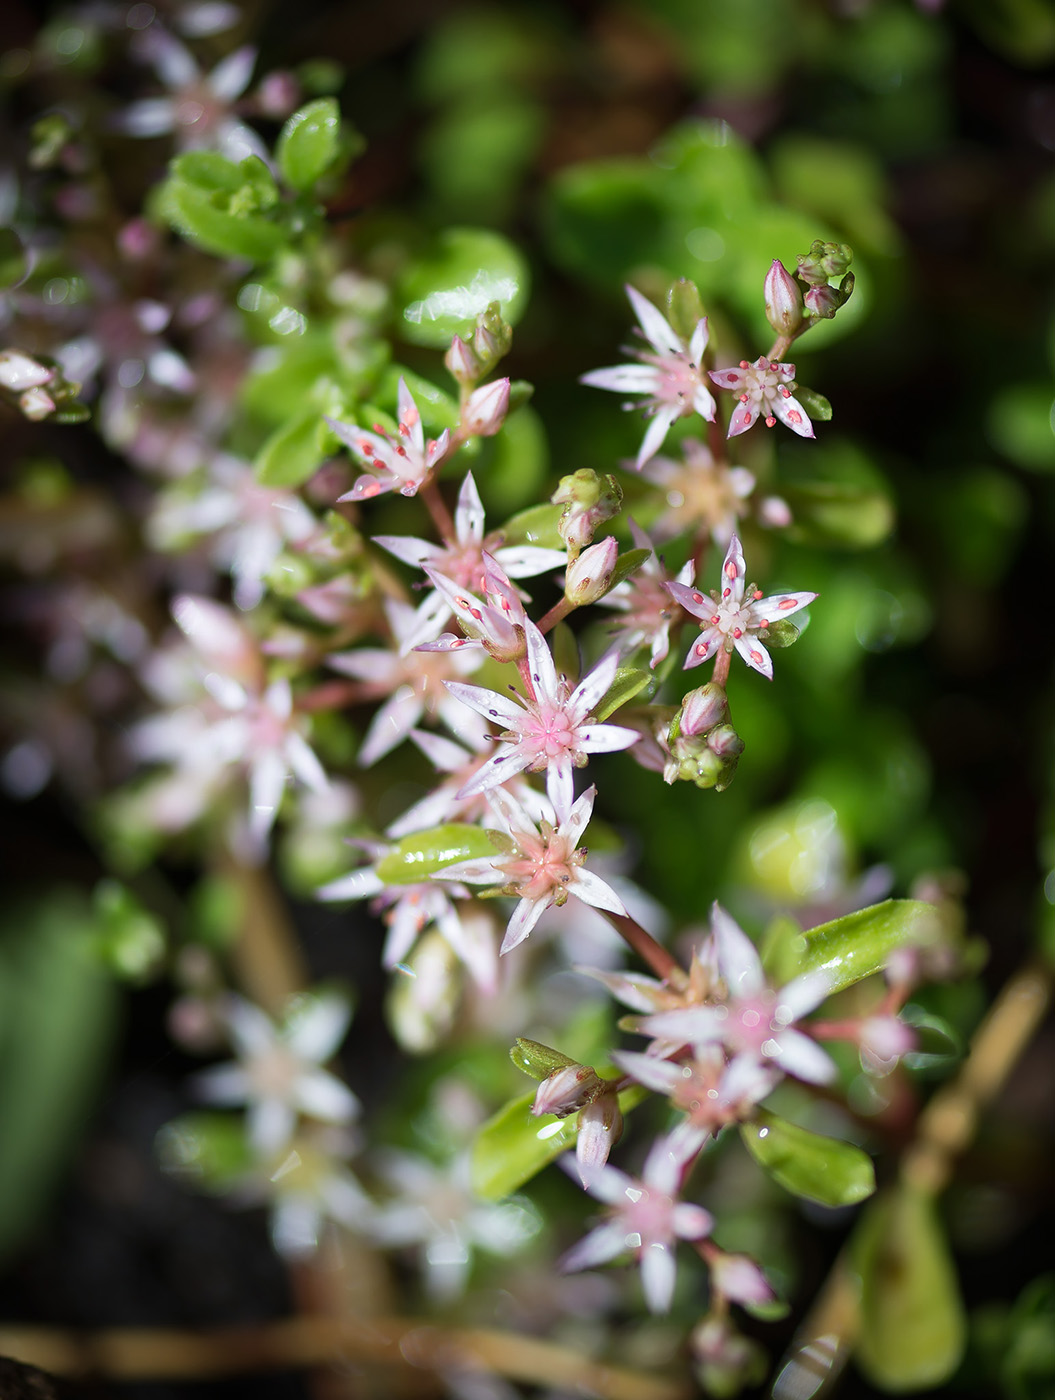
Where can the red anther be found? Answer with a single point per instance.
(764, 623)
(743, 398)
(770, 421)
(785, 391)
(757, 593)
(738, 632)
(744, 364)
(726, 592)
(715, 619)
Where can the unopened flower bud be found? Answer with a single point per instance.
(566, 1091)
(702, 709)
(883, 1040)
(725, 742)
(589, 577)
(823, 301)
(486, 409)
(783, 299)
(19, 371)
(461, 363)
(36, 404)
(278, 94)
(739, 1278)
(600, 1127)
(774, 512)
(588, 500)
(823, 261)
(492, 337)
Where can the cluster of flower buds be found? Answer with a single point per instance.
(589, 499)
(469, 362)
(795, 302)
(704, 747)
(38, 389)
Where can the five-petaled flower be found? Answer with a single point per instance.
(539, 864)
(763, 388)
(729, 620)
(550, 729)
(671, 375)
(644, 1215)
(400, 462)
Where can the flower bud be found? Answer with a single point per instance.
(589, 577)
(36, 404)
(19, 371)
(774, 512)
(600, 1127)
(783, 299)
(588, 500)
(486, 408)
(567, 1090)
(492, 337)
(738, 1277)
(461, 363)
(823, 301)
(725, 742)
(823, 261)
(702, 709)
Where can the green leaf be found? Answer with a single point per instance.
(128, 938)
(309, 143)
(208, 170)
(627, 563)
(59, 1011)
(629, 681)
(13, 264)
(513, 1145)
(421, 854)
(536, 525)
(820, 1168)
(859, 944)
(292, 453)
(463, 270)
(912, 1327)
(816, 405)
(192, 212)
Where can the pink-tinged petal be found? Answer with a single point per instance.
(251, 1030)
(391, 725)
(804, 1058)
(742, 481)
(779, 605)
(448, 641)
(267, 782)
(406, 921)
(305, 764)
(495, 771)
(480, 871)
(747, 1081)
(658, 1274)
(230, 78)
(738, 959)
(406, 547)
(691, 1222)
(594, 686)
(365, 444)
(658, 330)
(151, 116)
(740, 1278)
(698, 343)
(540, 662)
(488, 703)
(469, 513)
(560, 784)
(793, 415)
(410, 417)
(598, 1247)
(687, 1025)
(591, 889)
(755, 654)
(368, 486)
(663, 1168)
(527, 560)
(692, 600)
(366, 664)
(659, 426)
(525, 916)
(269, 1125)
(224, 1084)
(442, 753)
(600, 1126)
(801, 995)
(703, 648)
(316, 1033)
(624, 379)
(606, 738)
(579, 817)
(173, 61)
(634, 989)
(743, 417)
(321, 1095)
(704, 404)
(360, 884)
(734, 379)
(659, 1075)
(733, 570)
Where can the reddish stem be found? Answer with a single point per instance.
(721, 667)
(559, 611)
(662, 963)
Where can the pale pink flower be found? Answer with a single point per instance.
(753, 1018)
(541, 866)
(462, 560)
(413, 684)
(400, 462)
(494, 623)
(644, 603)
(763, 388)
(645, 1216)
(442, 803)
(699, 492)
(549, 730)
(671, 375)
(730, 622)
(279, 1073)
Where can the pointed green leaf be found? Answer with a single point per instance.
(421, 854)
(536, 525)
(513, 1145)
(627, 563)
(858, 944)
(309, 143)
(191, 211)
(912, 1325)
(629, 681)
(292, 453)
(820, 1168)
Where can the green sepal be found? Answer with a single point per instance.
(912, 1328)
(626, 564)
(513, 1145)
(821, 1169)
(309, 143)
(629, 681)
(423, 853)
(538, 1060)
(292, 453)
